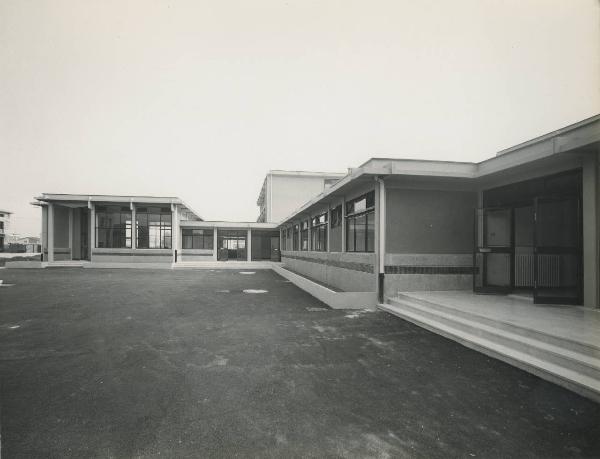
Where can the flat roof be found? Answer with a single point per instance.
(580, 134)
(307, 173)
(5, 211)
(46, 197)
(231, 225)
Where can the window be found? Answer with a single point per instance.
(360, 224)
(113, 227)
(197, 239)
(296, 234)
(153, 227)
(319, 233)
(1, 225)
(336, 216)
(304, 236)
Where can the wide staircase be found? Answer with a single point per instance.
(558, 357)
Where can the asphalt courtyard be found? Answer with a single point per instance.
(140, 363)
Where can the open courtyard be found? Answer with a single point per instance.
(160, 363)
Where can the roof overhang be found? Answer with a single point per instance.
(76, 200)
(578, 137)
(229, 225)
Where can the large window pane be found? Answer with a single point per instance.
(113, 227)
(371, 232)
(361, 232)
(350, 235)
(153, 226)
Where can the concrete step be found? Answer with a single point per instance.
(577, 371)
(244, 265)
(66, 264)
(565, 343)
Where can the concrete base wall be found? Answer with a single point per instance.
(60, 254)
(195, 255)
(350, 272)
(335, 300)
(132, 256)
(418, 272)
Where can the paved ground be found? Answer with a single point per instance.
(131, 363)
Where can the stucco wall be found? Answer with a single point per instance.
(61, 227)
(195, 255)
(420, 271)
(290, 192)
(350, 272)
(429, 240)
(429, 221)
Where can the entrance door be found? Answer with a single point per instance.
(493, 251)
(232, 245)
(558, 258)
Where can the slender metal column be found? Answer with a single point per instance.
(50, 232)
(215, 249)
(249, 246)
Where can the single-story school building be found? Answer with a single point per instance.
(524, 220)
(419, 239)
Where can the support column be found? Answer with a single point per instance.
(71, 233)
(590, 232)
(328, 227)
(92, 243)
(380, 202)
(309, 246)
(50, 232)
(249, 245)
(44, 239)
(133, 226)
(175, 233)
(215, 248)
(343, 224)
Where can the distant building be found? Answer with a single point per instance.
(284, 191)
(4, 225)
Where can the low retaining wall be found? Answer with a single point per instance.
(132, 256)
(195, 255)
(351, 272)
(335, 300)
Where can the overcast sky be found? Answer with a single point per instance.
(200, 99)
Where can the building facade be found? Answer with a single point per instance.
(524, 220)
(284, 191)
(4, 226)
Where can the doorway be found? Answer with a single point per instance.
(231, 245)
(530, 240)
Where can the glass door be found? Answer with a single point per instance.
(558, 251)
(493, 251)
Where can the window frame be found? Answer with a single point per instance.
(206, 234)
(364, 215)
(304, 241)
(296, 237)
(164, 227)
(318, 233)
(336, 216)
(101, 213)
